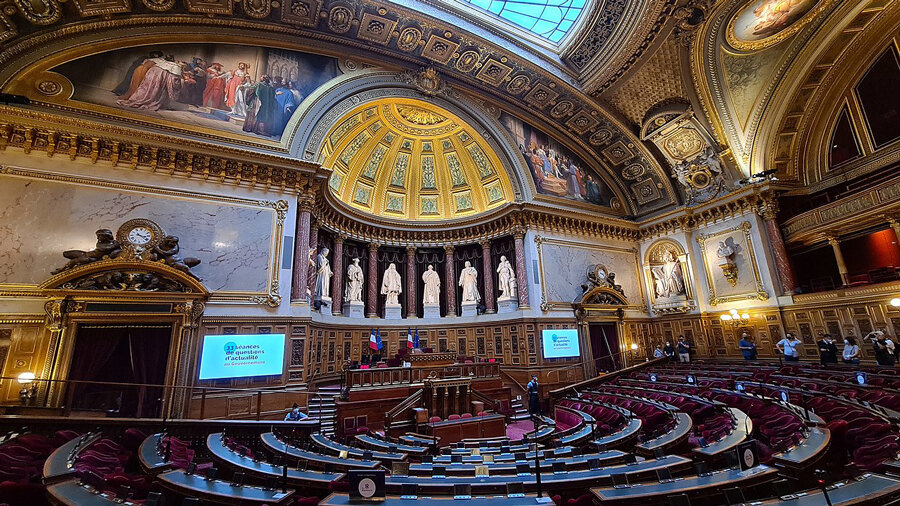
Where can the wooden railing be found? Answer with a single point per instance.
(388, 376)
(489, 403)
(582, 385)
(410, 402)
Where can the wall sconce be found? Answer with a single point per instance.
(895, 302)
(735, 319)
(27, 394)
(634, 346)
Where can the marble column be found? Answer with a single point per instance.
(314, 245)
(490, 298)
(411, 281)
(301, 253)
(372, 286)
(521, 272)
(839, 257)
(782, 260)
(450, 280)
(337, 280)
(895, 224)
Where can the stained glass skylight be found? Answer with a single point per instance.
(550, 19)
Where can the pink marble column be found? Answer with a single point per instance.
(521, 274)
(337, 280)
(411, 281)
(301, 252)
(311, 262)
(782, 261)
(450, 281)
(490, 299)
(372, 287)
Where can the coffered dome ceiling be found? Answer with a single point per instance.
(408, 159)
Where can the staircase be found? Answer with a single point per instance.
(321, 406)
(521, 412)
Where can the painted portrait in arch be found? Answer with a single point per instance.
(554, 169)
(764, 22)
(236, 89)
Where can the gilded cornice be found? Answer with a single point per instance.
(404, 35)
(62, 136)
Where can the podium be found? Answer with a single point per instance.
(447, 396)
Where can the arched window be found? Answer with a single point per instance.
(550, 19)
(877, 94)
(844, 146)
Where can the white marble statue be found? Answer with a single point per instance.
(432, 294)
(323, 275)
(354, 282)
(507, 279)
(725, 254)
(392, 286)
(468, 280)
(668, 278)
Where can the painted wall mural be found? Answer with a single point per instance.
(761, 23)
(232, 88)
(554, 169)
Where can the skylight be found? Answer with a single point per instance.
(549, 19)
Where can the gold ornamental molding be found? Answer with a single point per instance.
(279, 209)
(67, 137)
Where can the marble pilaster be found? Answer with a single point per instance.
(782, 261)
(895, 224)
(337, 281)
(411, 282)
(450, 280)
(301, 253)
(521, 274)
(490, 298)
(839, 258)
(372, 283)
(311, 270)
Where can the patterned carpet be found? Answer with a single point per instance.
(516, 430)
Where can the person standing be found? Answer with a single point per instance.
(684, 350)
(827, 350)
(789, 346)
(534, 402)
(669, 351)
(851, 351)
(658, 353)
(884, 355)
(748, 348)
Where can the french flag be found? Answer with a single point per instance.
(372, 342)
(409, 338)
(378, 339)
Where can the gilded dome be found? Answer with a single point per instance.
(408, 159)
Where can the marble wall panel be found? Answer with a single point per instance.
(747, 272)
(42, 218)
(565, 266)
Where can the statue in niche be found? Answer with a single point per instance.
(432, 294)
(323, 275)
(726, 252)
(507, 279)
(391, 286)
(167, 251)
(668, 278)
(468, 280)
(354, 282)
(107, 247)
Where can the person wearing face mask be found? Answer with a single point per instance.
(295, 414)
(851, 351)
(827, 350)
(669, 351)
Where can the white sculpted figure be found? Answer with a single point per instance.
(668, 277)
(468, 280)
(432, 281)
(323, 274)
(391, 286)
(725, 254)
(507, 279)
(354, 282)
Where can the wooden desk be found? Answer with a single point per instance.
(606, 458)
(219, 492)
(676, 436)
(451, 431)
(394, 500)
(368, 441)
(806, 453)
(868, 489)
(693, 485)
(58, 465)
(152, 462)
(743, 427)
(70, 493)
(335, 448)
(275, 445)
(295, 477)
(620, 438)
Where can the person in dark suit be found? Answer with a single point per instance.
(828, 351)
(534, 401)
